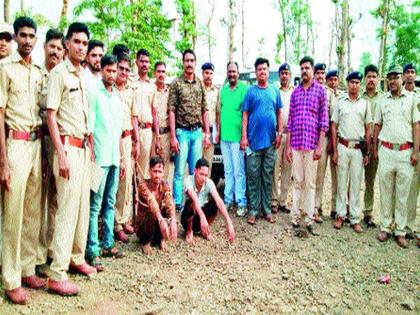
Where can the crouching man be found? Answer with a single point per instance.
(200, 211)
(155, 219)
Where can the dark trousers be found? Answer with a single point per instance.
(209, 209)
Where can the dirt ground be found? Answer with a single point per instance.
(268, 270)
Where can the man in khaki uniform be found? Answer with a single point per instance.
(409, 77)
(20, 164)
(145, 92)
(282, 168)
(54, 52)
(162, 140)
(397, 127)
(213, 98)
(372, 95)
(130, 141)
(67, 118)
(351, 120)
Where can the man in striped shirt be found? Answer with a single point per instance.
(307, 125)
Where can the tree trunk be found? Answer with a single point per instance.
(6, 11)
(334, 32)
(231, 30)
(342, 42)
(384, 12)
(243, 33)
(282, 5)
(65, 9)
(349, 37)
(22, 5)
(208, 26)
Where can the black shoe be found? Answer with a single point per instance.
(284, 209)
(410, 236)
(311, 230)
(178, 208)
(333, 214)
(369, 222)
(320, 212)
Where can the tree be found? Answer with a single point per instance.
(243, 49)
(62, 25)
(187, 27)
(283, 37)
(6, 11)
(365, 59)
(230, 24)
(382, 12)
(207, 30)
(138, 24)
(343, 38)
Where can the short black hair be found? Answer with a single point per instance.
(155, 160)
(93, 43)
(305, 60)
(107, 60)
(232, 63)
(159, 63)
(202, 163)
(371, 68)
(142, 52)
(261, 61)
(188, 51)
(77, 27)
(53, 33)
(23, 21)
(120, 49)
(123, 57)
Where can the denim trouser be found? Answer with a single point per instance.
(234, 166)
(260, 166)
(104, 199)
(190, 150)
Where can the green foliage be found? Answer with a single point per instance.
(138, 24)
(365, 59)
(187, 28)
(279, 43)
(39, 19)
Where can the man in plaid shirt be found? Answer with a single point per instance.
(307, 125)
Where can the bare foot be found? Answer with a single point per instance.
(209, 237)
(147, 249)
(163, 246)
(189, 236)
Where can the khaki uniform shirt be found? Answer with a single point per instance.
(396, 115)
(43, 96)
(187, 100)
(144, 92)
(20, 90)
(67, 94)
(129, 106)
(351, 118)
(161, 105)
(372, 102)
(213, 100)
(285, 100)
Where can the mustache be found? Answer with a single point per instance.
(54, 55)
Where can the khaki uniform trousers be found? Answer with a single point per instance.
(165, 154)
(413, 203)
(21, 212)
(208, 155)
(282, 176)
(123, 205)
(350, 168)
(146, 139)
(48, 206)
(304, 176)
(395, 177)
(370, 175)
(72, 217)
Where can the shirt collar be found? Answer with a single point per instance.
(366, 93)
(185, 80)
(404, 93)
(347, 97)
(70, 66)
(16, 57)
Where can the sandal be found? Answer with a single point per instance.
(96, 263)
(269, 218)
(251, 220)
(113, 252)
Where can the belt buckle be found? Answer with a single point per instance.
(396, 147)
(33, 135)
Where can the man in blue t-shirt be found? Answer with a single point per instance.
(261, 135)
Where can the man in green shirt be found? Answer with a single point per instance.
(229, 126)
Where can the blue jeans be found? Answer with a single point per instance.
(235, 180)
(190, 150)
(104, 199)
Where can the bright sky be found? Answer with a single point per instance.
(262, 20)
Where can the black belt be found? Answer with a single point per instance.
(191, 127)
(163, 130)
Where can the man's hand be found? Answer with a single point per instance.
(317, 153)
(277, 141)
(5, 175)
(158, 146)
(244, 143)
(217, 137)
(173, 228)
(335, 158)
(64, 165)
(123, 168)
(375, 154)
(204, 226)
(136, 150)
(414, 158)
(365, 160)
(164, 230)
(206, 142)
(174, 145)
(231, 233)
(289, 154)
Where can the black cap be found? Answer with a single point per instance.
(409, 66)
(331, 73)
(207, 66)
(284, 67)
(320, 66)
(355, 75)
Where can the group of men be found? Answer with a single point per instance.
(79, 133)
